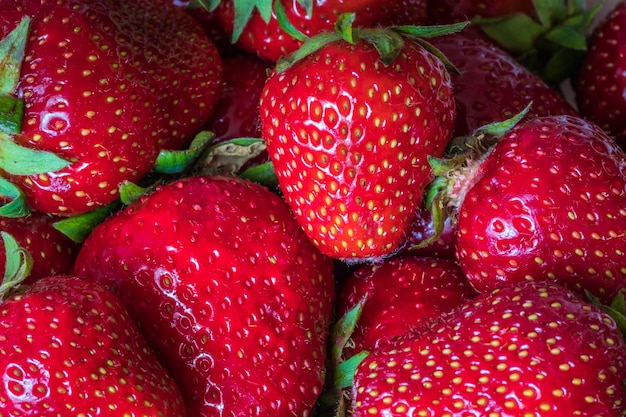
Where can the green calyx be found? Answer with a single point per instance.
(17, 267)
(388, 41)
(550, 44)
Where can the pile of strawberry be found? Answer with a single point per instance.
(296, 208)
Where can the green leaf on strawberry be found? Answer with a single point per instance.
(177, 161)
(262, 174)
(80, 226)
(19, 160)
(17, 206)
(11, 57)
(17, 266)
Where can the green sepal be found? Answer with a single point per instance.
(20, 160)
(550, 12)
(345, 371)
(343, 329)
(517, 32)
(131, 192)
(312, 45)
(17, 207)
(502, 127)
(285, 24)
(11, 114)
(209, 5)
(343, 26)
(228, 157)
(178, 161)
(263, 174)
(11, 57)
(388, 44)
(77, 228)
(18, 265)
(431, 31)
(243, 13)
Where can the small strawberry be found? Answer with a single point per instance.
(226, 288)
(69, 348)
(491, 86)
(601, 81)
(401, 294)
(349, 131)
(255, 26)
(545, 202)
(106, 85)
(530, 349)
(53, 252)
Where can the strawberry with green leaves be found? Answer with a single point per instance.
(259, 26)
(349, 122)
(545, 202)
(105, 86)
(601, 81)
(226, 288)
(528, 349)
(69, 347)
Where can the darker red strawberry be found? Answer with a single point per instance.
(258, 31)
(545, 203)
(53, 252)
(349, 134)
(226, 288)
(402, 294)
(601, 81)
(526, 349)
(69, 347)
(106, 86)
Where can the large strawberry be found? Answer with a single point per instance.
(226, 288)
(349, 129)
(532, 349)
(256, 27)
(69, 348)
(106, 85)
(546, 202)
(601, 81)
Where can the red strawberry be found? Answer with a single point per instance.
(532, 349)
(402, 294)
(53, 252)
(349, 135)
(107, 85)
(68, 347)
(546, 202)
(228, 291)
(258, 31)
(491, 86)
(601, 80)
(423, 228)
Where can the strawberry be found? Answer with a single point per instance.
(53, 252)
(545, 202)
(69, 347)
(528, 349)
(401, 294)
(491, 86)
(106, 86)
(227, 290)
(423, 228)
(349, 132)
(255, 26)
(601, 82)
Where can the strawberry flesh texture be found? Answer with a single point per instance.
(528, 349)
(547, 203)
(352, 166)
(601, 81)
(69, 347)
(270, 42)
(107, 85)
(404, 293)
(226, 288)
(53, 252)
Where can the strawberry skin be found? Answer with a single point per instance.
(403, 293)
(69, 348)
(226, 289)
(547, 202)
(349, 139)
(601, 81)
(531, 349)
(106, 86)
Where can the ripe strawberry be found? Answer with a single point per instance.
(349, 133)
(53, 252)
(107, 85)
(258, 30)
(601, 82)
(531, 349)
(68, 347)
(226, 288)
(491, 86)
(546, 202)
(402, 294)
